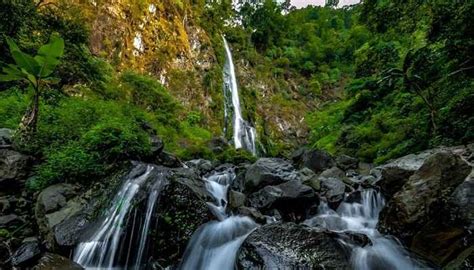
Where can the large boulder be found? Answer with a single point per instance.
(291, 199)
(181, 210)
(14, 167)
(420, 212)
(291, 246)
(316, 160)
(332, 189)
(392, 176)
(268, 171)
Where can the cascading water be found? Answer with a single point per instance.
(214, 245)
(362, 217)
(101, 250)
(244, 134)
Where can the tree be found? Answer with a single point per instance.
(37, 71)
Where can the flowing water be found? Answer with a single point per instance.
(244, 134)
(214, 245)
(362, 217)
(101, 250)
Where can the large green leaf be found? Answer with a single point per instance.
(48, 56)
(26, 62)
(54, 49)
(47, 64)
(11, 73)
(12, 45)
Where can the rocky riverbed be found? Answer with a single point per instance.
(428, 196)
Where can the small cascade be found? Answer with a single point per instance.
(362, 217)
(214, 245)
(244, 135)
(103, 249)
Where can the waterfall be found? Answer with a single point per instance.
(362, 217)
(101, 250)
(214, 245)
(244, 134)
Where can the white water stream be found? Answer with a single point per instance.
(244, 134)
(100, 250)
(214, 245)
(362, 217)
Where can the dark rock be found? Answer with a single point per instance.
(316, 160)
(182, 209)
(10, 220)
(50, 261)
(346, 162)
(5, 137)
(419, 213)
(269, 171)
(333, 189)
(14, 167)
(333, 172)
(354, 197)
(55, 197)
(218, 144)
(157, 145)
(392, 176)
(201, 165)
(292, 199)
(69, 232)
(462, 202)
(27, 253)
(236, 199)
(309, 178)
(168, 160)
(253, 213)
(291, 246)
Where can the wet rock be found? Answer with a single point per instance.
(419, 213)
(55, 197)
(392, 176)
(292, 199)
(309, 178)
(462, 202)
(69, 232)
(5, 137)
(346, 162)
(27, 253)
(316, 160)
(269, 171)
(201, 165)
(168, 160)
(291, 246)
(10, 220)
(333, 172)
(14, 167)
(182, 209)
(157, 145)
(50, 261)
(333, 189)
(236, 199)
(253, 213)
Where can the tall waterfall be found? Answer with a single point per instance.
(362, 217)
(244, 134)
(102, 249)
(214, 245)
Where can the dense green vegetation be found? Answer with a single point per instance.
(387, 78)
(397, 77)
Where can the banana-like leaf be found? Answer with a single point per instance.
(11, 73)
(12, 45)
(47, 64)
(26, 62)
(54, 48)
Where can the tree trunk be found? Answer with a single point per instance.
(28, 122)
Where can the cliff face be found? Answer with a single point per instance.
(165, 39)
